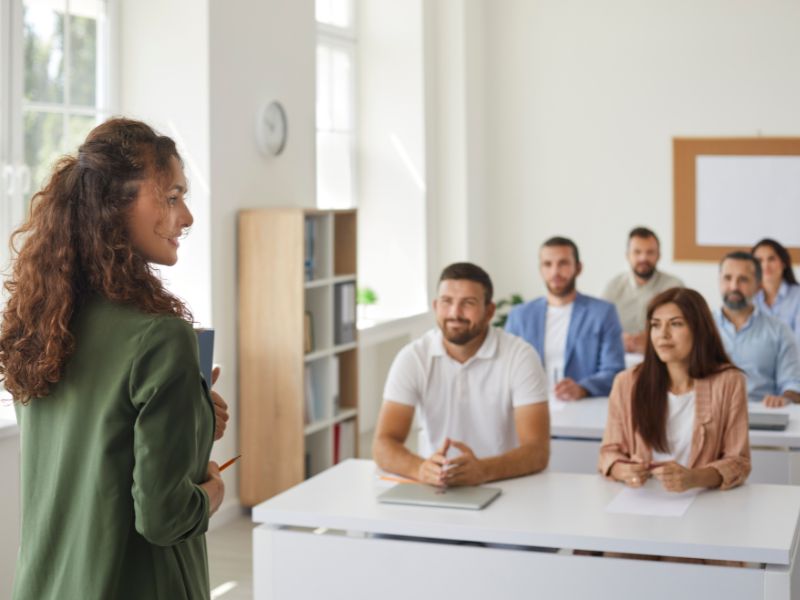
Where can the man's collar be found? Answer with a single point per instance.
(725, 319)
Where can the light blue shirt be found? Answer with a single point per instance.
(765, 349)
(786, 306)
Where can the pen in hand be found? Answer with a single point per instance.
(227, 464)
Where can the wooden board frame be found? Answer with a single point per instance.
(685, 152)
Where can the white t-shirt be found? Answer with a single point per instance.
(471, 402)
(555, 341)
(680, 425)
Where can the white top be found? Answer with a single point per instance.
(680, 423)
(555, 340)
(555, 510)
(471, 402)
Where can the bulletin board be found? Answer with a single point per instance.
(731, 192)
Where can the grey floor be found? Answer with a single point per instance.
(230, 550)
(230, 560)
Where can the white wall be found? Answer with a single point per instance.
(582, 100)
(259, 50)
(163, 77)
(391, 150)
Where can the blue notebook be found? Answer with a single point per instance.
(205, 343)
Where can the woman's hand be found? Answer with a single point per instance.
(214, 487)
(674, 477)
(677, 478)
(632, 474)
(220, 408)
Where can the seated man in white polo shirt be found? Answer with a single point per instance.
(481, 393)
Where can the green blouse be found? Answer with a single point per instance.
(111, 462)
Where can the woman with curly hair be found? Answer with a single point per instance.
(116, 423)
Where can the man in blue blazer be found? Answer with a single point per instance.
(579, 338)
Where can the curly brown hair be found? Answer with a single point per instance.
(75, 244)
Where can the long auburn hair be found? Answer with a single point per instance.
(783, 254)
(75, 244)
(708, 356)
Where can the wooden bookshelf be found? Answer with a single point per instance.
(295, 406)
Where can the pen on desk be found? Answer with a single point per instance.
(397, 479)
(229, 463)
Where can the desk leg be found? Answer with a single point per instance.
(783, 582)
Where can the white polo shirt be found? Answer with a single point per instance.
(471, 402)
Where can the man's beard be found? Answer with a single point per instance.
(644, 272)
(465, 335)
(568, 288)
(734, 300)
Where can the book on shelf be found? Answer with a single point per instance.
(337, 433)
(309, 263)
(335, 384)
(308, 332)
(344, 440)
(310, 402)
(344, 309)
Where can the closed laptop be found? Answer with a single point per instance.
(770, 421)
(469, 497)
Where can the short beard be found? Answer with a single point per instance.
(465, 337)
(568, 289)
(730, 303)
(646, 275)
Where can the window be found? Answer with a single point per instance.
(54, 87)
(65, 90)
(336, 79)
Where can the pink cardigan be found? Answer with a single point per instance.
(720, 437)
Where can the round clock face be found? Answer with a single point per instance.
(271, 128)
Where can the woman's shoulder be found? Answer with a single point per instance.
(728, 376)
(627, 377)
(127, 321)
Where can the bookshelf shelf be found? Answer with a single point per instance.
(298, 346)
(330, 351)
(343, 415)
(329, 281)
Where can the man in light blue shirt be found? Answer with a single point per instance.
(578, 337)
(761, 345)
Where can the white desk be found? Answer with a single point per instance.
(318, 540)
(577, 430)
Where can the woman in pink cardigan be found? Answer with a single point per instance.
(681, 415)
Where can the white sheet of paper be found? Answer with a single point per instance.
(652, 500)
(556, 405)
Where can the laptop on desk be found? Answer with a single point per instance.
(769, 421)
(469, 497)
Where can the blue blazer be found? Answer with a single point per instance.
(594, 353)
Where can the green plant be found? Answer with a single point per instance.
(366, 296)
(504, 306)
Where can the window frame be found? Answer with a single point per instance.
(345, 39)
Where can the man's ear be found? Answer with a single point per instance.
(578, 269)
(490, 310)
